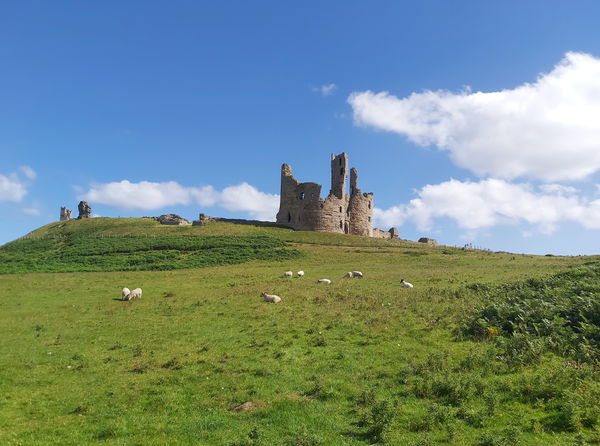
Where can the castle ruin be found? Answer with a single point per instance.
(65, 214)
(302, 208)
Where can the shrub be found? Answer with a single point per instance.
(559, 314)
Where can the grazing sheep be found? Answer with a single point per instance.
(135, 294)
(327, 281)
(406, 284)
(288, 274)
(348, 275)
(300, 273)
(125, 294)
(271, 298)
(357, 274)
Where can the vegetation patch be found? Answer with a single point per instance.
(559, 314)
(85, 252)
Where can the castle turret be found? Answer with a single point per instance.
(339, 174)
(360, 208)
(65, 214)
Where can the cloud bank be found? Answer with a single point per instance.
(547, 130)
(147, 195)
(491, 202)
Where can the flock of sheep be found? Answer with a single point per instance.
(129, 295)
(273, 298)
(126, 294)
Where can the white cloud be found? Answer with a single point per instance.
(547, 130)
(143, 195)
(147, 195)
(492, 202)
(28, 172)
(32, 211)
(326, 90)
(247, 198)
(12, 188)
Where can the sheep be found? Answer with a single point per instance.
(300, 273)
(137, 293)
(125, 294)
(348, 275)
(357, 274)
(271, 298)
(287, 274)
(327, 281)
(406, 284)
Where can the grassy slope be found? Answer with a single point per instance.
(324, 367)
(132, 245)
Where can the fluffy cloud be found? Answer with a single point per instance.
(483, 204)
(12, 188)
(547, 130)
(247, 198)
(147, 195)
(143, 195)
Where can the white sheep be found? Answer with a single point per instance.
(288, 274)
(137, 293)
(406, 284)
(125, 294)
(300, 273)
(271, 298)
(357, 274)
(327, 281)
(348, 275)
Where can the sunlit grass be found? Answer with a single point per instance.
(355, 362)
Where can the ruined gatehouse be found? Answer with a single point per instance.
(302, 208)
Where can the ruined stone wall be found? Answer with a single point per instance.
(360, 208)
(65, 214)
(391, 234)
(300, 203)
(332, 215)
(302, 208)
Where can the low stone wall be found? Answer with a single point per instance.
(390, 234)
(203, 219)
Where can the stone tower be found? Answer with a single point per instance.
(339, 174)
(65, 214)
(302, 208)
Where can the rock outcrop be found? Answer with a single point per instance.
(85, 211)
(172, 219)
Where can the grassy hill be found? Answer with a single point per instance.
(487, 349)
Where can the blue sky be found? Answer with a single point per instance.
(472, 122)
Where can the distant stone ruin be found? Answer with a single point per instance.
(85, 211)
(302, 208)
(65, 214)
(172, 219)
(428, 241)
(203, 219)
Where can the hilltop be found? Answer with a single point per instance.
(129, 244)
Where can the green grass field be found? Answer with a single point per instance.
(488, 349)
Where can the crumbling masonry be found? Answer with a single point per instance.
(302, 208)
